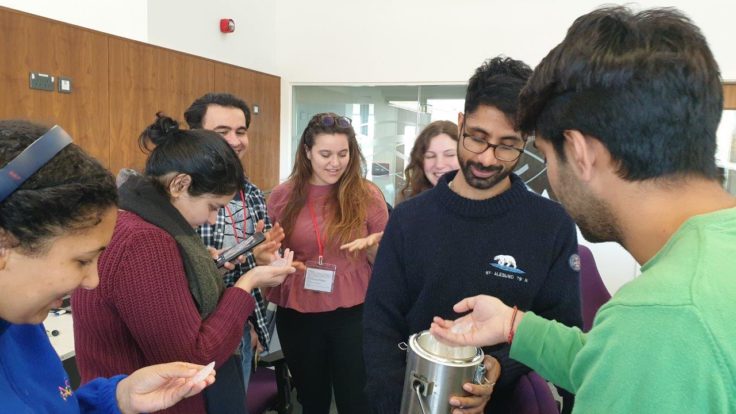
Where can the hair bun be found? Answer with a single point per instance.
(168, 125)
(165, 125)
(160, 131)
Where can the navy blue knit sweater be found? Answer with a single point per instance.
(439, 248)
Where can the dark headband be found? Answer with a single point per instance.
(35, 156)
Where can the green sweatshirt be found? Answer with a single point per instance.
(665, 343)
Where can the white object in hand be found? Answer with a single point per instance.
(461, 328)
(203, 373)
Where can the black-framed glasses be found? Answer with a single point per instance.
(340, 121)
(502, 152)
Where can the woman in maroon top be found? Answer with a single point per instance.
(326, 204)
(161, 297)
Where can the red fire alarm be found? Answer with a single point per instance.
(227, 25)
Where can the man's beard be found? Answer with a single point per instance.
(593, 215)
(483, 183)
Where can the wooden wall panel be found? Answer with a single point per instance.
(262, 158)
(29, 43)
(146, 79)
(729, 96)
(119, 85)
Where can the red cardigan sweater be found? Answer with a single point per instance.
(142, 313)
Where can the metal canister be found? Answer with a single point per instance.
(435, 372)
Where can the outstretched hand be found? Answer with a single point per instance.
(157, 387)
(270, 275)
(363, 243)
(489, 323)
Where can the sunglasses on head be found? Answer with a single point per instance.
(340, 121)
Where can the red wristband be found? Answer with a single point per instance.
(511, 329)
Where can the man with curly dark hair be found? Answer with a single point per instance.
(479, 230)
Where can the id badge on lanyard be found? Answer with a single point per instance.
(320, 276)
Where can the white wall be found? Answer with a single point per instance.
(127, 18)
(433, 40)
(194, 27)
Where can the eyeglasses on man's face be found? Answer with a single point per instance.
(502, 152)
(340, 121)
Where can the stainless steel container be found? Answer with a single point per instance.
(435, 372)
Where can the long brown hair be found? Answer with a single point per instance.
(416, 181)
(346, 202)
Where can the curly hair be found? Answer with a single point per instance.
(497, 82)
(416, 180)
(71, 192)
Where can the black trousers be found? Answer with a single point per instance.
(324, 351)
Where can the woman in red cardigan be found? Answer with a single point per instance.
(161, 297)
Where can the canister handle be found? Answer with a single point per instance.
(418, 390)
(403, 346)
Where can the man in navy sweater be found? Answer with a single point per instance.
(479, 231)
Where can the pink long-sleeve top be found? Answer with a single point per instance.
(143, 313)
(353, 270)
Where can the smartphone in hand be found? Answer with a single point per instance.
(241, 248)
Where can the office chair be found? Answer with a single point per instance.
(593, 291)
(532, 395)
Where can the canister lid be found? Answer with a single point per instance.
(428, 343)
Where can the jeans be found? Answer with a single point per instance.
(246, 356)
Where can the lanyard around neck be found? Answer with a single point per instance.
(316, 232)
(245, 218)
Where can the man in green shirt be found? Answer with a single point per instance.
(625, 111)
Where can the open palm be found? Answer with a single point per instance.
(488, 323)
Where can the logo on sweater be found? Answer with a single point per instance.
(65, 391)
(507, 269)
(506, 263)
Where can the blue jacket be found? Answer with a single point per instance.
(32, 379)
